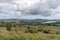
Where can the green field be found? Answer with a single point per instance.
(15, 31)
(28, 32)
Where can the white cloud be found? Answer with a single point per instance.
(29, 8)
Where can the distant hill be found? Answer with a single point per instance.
(32, 21)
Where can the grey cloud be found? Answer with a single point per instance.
(40, 8)
(53, 3)
(43, 8)
(6, 1)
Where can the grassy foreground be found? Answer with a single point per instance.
(27, 32)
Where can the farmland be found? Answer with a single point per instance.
(31, 31)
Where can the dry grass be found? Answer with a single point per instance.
(20, 31)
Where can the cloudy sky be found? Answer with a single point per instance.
(30, 9)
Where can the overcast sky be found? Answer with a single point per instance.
(30, 9)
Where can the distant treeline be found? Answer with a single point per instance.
(14, 24)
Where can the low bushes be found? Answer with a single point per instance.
(31, 31)
(44, 31)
